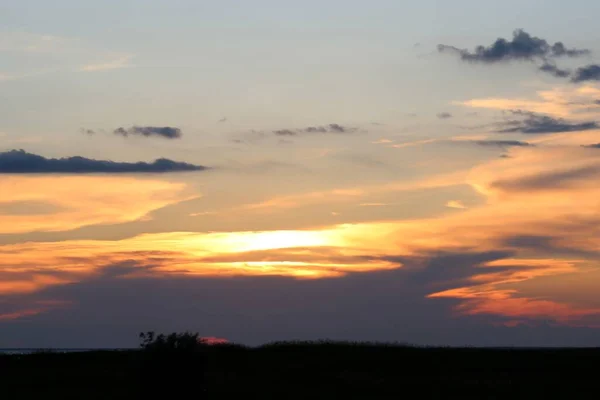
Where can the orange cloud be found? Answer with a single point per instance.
(563, 102)
(76, 201)
(455, 204)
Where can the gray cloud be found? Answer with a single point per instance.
(166, 132)
(503, 143)
(533, 123)
(21, 162)
(588, 73)
(592, 146)
(555, 71)
(444, 115)
(331, 128)
(522, 47)
(285, 132)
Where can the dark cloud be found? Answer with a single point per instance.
(547, 244)
(558, 179)
(522, 47)
(377, 306)
(503, 143)
(555, 71)
(533, 123)
(331, 128)
(166, 132)
(21, 162)
(592, 146)
(587, 73)
(285, 132)
(444, 115)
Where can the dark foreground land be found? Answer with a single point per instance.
(305, 371)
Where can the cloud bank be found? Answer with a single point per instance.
(21, 162)
(539, 124)
(523, 47)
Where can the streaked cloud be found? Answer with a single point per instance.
(558, 102)
(21, 162)
(331, 128)
(502, 143)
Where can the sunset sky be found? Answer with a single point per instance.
(424, 172)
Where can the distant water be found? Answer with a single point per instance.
(30, 351)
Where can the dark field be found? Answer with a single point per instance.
(305, 371)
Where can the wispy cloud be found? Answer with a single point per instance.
(51, 203)
(118, 63)
(19, 41)
(331, 128)
(502, 143)
(558, 102)
(455, 204)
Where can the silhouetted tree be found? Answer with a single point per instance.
(173, 365)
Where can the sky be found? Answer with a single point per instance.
(418, 172)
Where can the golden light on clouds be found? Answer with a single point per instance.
(303, 254)
(76, 201)
(527, 217)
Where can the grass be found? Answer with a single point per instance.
(304, 370)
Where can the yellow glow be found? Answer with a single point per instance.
(252, 241)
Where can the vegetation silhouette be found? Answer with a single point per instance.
(185, 366)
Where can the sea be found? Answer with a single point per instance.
(51, 350)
